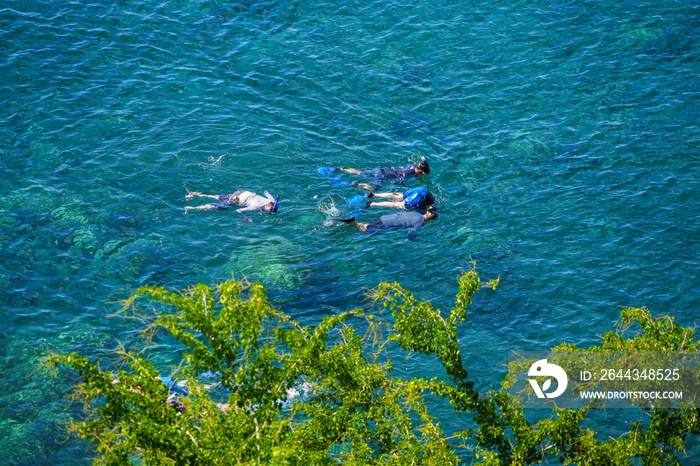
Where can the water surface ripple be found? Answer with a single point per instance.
(563, 140)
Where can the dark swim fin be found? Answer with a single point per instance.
(345, 220)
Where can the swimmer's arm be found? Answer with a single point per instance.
(246, 209)
(411, 233)
(269, 197)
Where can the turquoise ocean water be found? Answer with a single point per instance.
(563, 139)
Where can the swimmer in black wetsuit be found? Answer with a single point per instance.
(381, 175)
(411, 220)
(416, 198)
(249, 200)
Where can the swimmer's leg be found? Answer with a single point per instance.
(391, 204)
(191, 195)
(351, 221)
(394, 196)
(354, 171)
(201, 207)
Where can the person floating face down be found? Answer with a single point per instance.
(405, 220)
(414, 199)
(249, 200)
(380, 175)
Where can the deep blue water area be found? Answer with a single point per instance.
(562, 136)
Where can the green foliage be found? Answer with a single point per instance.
(358, 412)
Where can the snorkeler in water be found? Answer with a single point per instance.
(416, 198)
(177, 392)
(380, 175)
(410, 220)
(249, 200)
